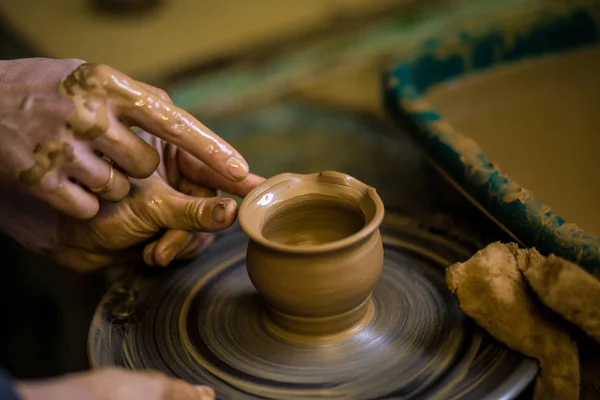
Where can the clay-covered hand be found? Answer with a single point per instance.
(113, 384)
(121, 233)
(193, 177)
(63, 122)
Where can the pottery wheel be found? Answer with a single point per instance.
(205, 323)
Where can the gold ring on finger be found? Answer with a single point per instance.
(108, 185)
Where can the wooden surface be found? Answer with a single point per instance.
(178, 34)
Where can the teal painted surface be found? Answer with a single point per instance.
(440, 60)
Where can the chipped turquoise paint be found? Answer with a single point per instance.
(530, 221)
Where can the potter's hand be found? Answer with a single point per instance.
(113, 384)
(190, 176)
(120, 232)
(61, 119)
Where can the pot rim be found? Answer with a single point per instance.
(325, 177)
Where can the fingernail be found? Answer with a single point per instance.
(206, 392)
(219, 213)
(169, 253)
(149, 254)
(237, 169)
(165, 258)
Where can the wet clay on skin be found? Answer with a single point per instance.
(66, 131)
(97, 88)
(315, 253)
(537, 120)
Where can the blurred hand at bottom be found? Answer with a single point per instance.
(113, 384)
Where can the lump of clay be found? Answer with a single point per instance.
(491, 290)
(564, 287)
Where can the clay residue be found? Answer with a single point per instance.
(104, 96)
(48, 156)
(492, 291)
(521, 195)
(564, 287)
(538, 120)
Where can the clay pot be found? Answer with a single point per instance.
(315, 251)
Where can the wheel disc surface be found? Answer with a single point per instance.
(205, 323)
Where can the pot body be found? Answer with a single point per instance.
(315, 250)
(316, 293)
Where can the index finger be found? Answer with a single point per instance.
(159, 116)
(198, 173)
(177, 126)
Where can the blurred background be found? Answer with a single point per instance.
(294, 85)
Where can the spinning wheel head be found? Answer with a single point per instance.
(205, 323)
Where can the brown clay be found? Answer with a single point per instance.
(315, 251)
(492, 291)
(565, 288)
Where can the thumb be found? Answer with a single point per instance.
(198, 214)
